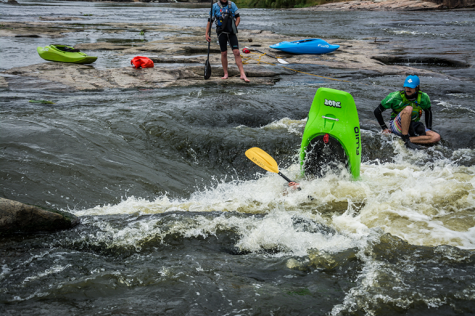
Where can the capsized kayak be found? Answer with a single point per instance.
(65, 54)
(306, 46)
(331, 137)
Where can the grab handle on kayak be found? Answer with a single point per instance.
(330, 118)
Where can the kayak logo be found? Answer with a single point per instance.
(357, 135)
(321, 45)
(332, 103)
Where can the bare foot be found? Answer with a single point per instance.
(225, 76)
(245, 79)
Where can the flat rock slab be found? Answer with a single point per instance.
(378, 5)
(83, 77)
(18, 217)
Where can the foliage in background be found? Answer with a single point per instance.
(276, 4)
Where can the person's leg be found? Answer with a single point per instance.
(405, 119)
(224, 62)
(237, 58)
(400, 126)
(431, 137)
(233, 42)
(223, 45)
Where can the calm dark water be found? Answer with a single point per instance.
(176, 220)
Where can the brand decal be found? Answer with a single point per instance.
(332, 103)
(357, 135)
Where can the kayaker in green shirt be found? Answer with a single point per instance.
(407, 106)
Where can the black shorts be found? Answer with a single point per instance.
(223, 39)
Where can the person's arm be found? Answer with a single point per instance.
(235, 11)
(428, 118)
(238, 19)
(378, 112)
(210, 23)
(208, 27)
(293, 185)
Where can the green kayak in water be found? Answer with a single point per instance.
(65, 54)
(332, 135)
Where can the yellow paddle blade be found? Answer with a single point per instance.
(262, 159)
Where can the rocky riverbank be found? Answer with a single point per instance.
(179, 59)
(379, 5)
(393, 5)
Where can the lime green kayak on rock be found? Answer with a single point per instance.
(65, 54)
(332, 134)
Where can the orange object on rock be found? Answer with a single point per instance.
(141, 62)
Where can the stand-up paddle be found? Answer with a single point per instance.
(265, 161)
(247, 50)
(207, 73)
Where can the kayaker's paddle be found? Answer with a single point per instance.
(280, 60)
(265, 161)
(207, 73)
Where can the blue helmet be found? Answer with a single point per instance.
(412, 81)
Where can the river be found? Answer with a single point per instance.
(176, 220)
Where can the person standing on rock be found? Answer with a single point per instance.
(407, 106)
(226, 15)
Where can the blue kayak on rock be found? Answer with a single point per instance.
(306, 46)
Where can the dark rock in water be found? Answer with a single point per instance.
(28, 35)
(18, 217)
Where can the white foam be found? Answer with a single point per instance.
(429, 204)
(292, 126)
(52, 270)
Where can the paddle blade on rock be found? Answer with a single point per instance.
(207, 69)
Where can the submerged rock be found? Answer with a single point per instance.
(18, 217)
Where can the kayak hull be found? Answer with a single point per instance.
(57, 53)
(332, 135)
(306, 46)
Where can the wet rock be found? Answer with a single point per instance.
(101, 46)
(59, 18)
(428, 60)
(3, 83)
(84, 77)
(38, 29)
(18, 217)
(377, 5)
(28, 35)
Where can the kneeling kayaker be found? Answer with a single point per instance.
(407, 106)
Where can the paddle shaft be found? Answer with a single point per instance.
(283, 176)
(264, 53)
(280, 60)
(211, 25)
(209, 44)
